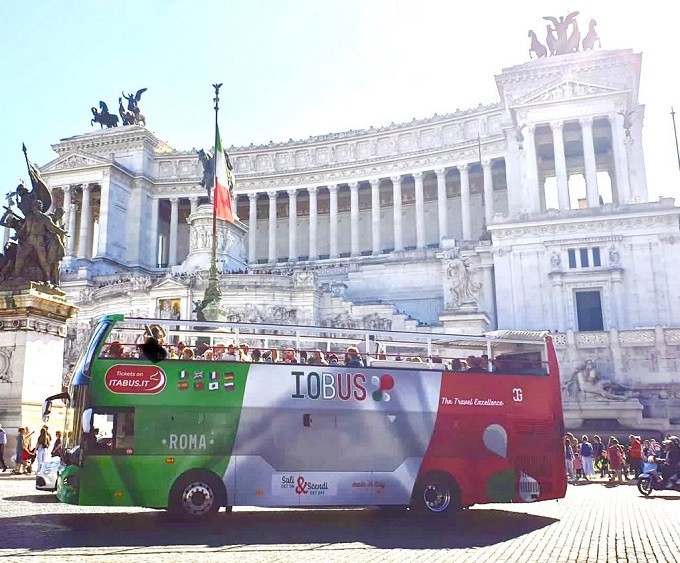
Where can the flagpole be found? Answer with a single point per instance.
(675, 132)
(213, 293)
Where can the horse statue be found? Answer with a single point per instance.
(104, 117)
(126, 115)
(536, 46)
(574, 39)
(591, 37)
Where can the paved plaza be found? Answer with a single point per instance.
(593, 523)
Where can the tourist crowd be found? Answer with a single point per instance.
(27, 453)
(617, 461)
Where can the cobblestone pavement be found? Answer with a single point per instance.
(593, 523)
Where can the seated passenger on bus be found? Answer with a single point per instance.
(474, 364)
(209, 355)
(188, 354)
(485, 364)
(289, 356)
(244, 355)
(456, 365)
(333, 360)
(180, 348)
(317, 358)
(172, 353)
(256, 355)
(230, 354)
(114, 350)
(353, 360)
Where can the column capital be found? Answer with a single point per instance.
(174, 199)
(67, 188)
(332, 188)
(193, 198)
(353, 186)
(375, 182)
(312, 190)
(292, 193)
(586, 121)
(557, 125)
(531, 127)
(441, 171)
(417, 176)
(463, 166)
(486, 163)
(252, 196)
(86, 187)
(395, 179)
(272, 194)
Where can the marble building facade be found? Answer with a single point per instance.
(538, 204)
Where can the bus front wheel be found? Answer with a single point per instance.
(196, 495)
(437, 494)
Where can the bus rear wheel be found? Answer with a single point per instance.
(196, 495)
(436, 494)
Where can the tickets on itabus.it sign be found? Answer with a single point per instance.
(135, 379)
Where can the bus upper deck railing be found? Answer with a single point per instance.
(508, 351)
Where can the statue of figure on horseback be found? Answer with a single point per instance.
(104, 117)
(559, 40)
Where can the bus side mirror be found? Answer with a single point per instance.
(46, 410)
(87, 421)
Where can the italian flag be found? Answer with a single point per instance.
(224, 180)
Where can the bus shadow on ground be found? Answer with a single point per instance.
(38, 498)
(473, 528)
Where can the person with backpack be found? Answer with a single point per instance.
(587, 457)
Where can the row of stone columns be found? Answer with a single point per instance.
(376, 246)
(589, 161)
(86, 225)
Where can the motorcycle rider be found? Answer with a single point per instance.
(671, 465)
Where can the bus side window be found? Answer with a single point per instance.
(112, 433)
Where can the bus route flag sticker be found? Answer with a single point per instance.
(229, 381)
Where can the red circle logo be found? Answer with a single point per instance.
(129, 379)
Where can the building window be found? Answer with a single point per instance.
(589, 310)
(572, 258)
(587, 257)
(596, 257)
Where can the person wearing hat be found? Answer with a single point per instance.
(3, 441)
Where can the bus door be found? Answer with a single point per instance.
(108, 445)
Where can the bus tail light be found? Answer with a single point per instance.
(169, 460)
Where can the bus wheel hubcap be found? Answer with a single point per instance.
(437, 497)
(197, 498)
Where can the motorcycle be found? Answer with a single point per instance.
(653, 481)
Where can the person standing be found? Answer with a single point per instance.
(56, 447)
(598, 451)
(19, 457)
(635, 454)
(3, 441)
(569, 458)
(587, 457)
(616, 460)
(43, 445)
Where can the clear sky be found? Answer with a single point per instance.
(295, 68)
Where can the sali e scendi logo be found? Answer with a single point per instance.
(343, 386)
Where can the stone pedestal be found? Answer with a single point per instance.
(230, 243)
(462, 321)
(627, 413)
(32, 332)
